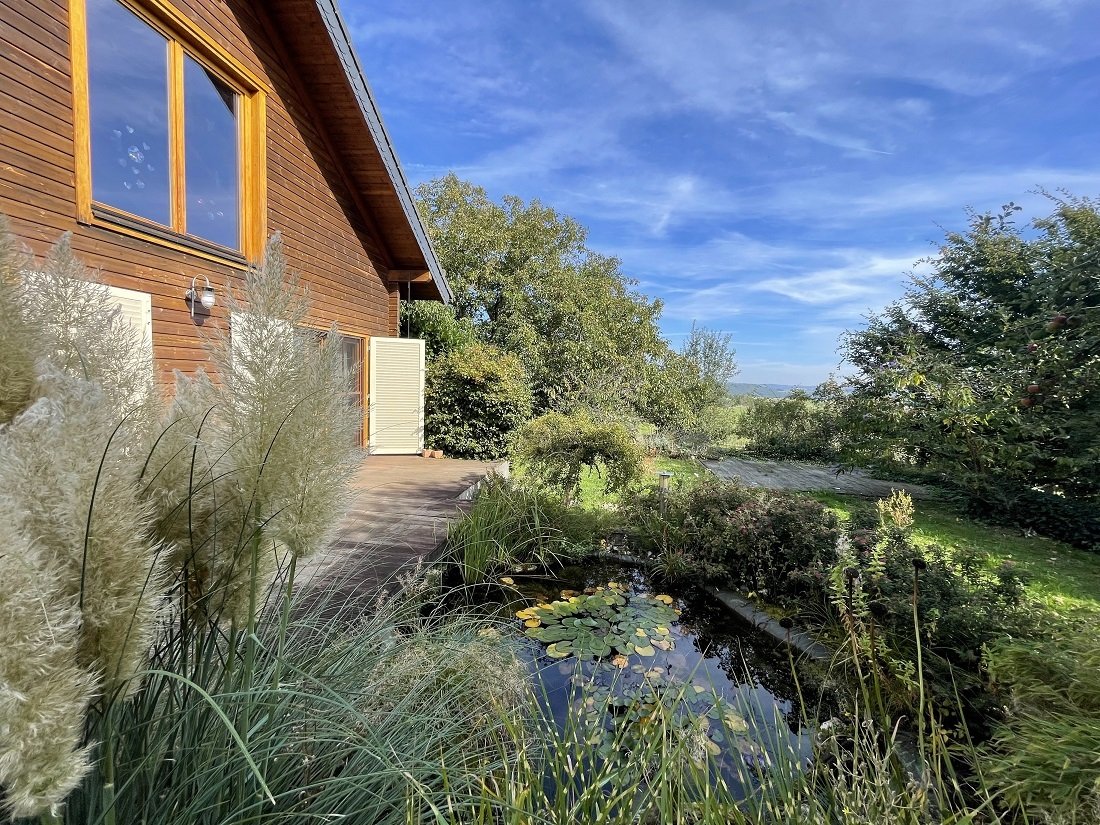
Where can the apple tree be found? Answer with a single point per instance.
(988, 369)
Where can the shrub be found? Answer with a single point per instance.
(437, 325)
(796, 427)
(1072, 521)
(725, 533)
(556, 448)
(961, 606)
(473, 399)
(709, 432)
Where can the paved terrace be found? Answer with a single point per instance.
(798, 475)
(399, 515)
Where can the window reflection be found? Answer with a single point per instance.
(128, 90)
(210, 140)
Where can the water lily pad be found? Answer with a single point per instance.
(559, 650)
(606, 621)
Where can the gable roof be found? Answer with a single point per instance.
(320, 45)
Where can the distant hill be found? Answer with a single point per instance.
(766, 390)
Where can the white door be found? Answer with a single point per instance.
(395, 420)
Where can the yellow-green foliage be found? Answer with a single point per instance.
(556, 448)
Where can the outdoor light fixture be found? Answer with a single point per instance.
(206, 298)
(662, 484)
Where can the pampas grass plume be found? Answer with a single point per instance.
(44, 693)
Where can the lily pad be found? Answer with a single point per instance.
(600, 622)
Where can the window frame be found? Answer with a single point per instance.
(184, 39)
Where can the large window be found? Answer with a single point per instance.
(169, 130)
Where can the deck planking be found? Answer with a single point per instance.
(400, 510)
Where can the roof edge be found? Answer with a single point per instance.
(341, 41)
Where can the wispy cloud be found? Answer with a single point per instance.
(768, 168)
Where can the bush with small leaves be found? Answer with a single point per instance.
(726, 533)
(556, 448)
(473, 400)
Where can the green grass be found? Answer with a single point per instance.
(685, 471)
(1062, 578)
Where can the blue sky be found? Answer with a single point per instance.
(771, 169)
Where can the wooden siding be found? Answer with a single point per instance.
(329, 237)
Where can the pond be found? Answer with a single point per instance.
(607, 635)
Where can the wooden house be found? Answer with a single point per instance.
(172, 138)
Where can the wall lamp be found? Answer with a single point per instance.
(205, 297)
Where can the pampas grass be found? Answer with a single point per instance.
(106, 507)
(84, 333)
(251, 472)
(44, 693)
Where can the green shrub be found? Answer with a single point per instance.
(725, 533)
(473, 399)
(796, 427)
(556, 448)
(437, 325)
(1072, 521)
(509, 524)
(961, 606)
(707, 433)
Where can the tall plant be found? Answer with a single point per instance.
(104, 504)
(80, 579)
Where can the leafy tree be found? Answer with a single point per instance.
(523, 276)
(437, 325)
(710, 354)
(686, 393)
(989, 368)
(556, 448)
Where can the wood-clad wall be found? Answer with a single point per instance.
(327, 240)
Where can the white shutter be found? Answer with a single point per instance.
(396, 398)
(136, 309)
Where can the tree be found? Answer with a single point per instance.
(988, 369)
(711, 354)
(523, 276)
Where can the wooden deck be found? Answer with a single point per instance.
(399, 515)
(799, 475)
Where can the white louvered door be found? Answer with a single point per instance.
(136, 309)
(396, 396)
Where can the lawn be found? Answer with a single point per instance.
(1064, 579)
(684, 471)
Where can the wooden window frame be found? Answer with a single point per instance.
(184, 39)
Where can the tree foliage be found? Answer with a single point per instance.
(988, 369)
(473, 399)
(522, 274)
(437, 325)
(556, 448)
